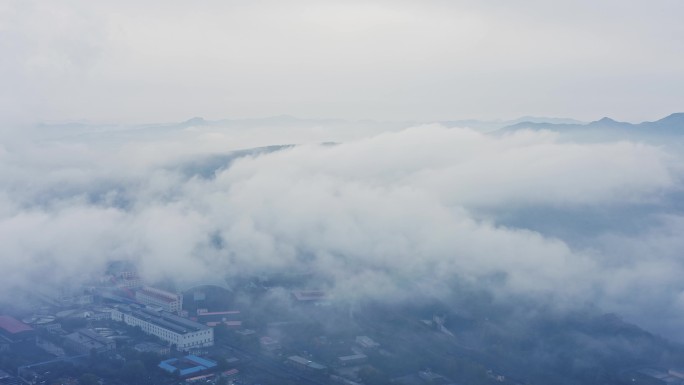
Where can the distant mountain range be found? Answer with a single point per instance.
(672, 124)
(669, 125)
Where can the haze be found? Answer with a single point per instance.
(167, 61)
(391, 152)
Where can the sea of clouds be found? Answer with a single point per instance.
(382, 212)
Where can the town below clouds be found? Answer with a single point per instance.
(381, 211)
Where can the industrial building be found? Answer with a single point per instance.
(167, 301)
(85, 341)
(185, 334)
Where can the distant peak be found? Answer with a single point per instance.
(196, 121)
(605, 119)
(677, 116)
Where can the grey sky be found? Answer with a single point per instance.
(429, 60)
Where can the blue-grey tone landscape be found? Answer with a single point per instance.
(390, 192)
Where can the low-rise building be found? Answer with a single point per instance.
(85, 341)
(185, 334)
(353, 359)
(15, 331)
(170, 302)
(187, 365)
(151, 347)
(366, 342)
(305, 364)
(310, 296)
(269, 343)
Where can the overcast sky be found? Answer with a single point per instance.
(124, 61)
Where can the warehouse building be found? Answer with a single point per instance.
(183, 333)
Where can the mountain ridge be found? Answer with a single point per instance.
(671, 124)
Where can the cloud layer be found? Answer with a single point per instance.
(387, 215)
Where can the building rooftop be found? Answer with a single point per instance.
(88, 338)
(208, 313)
(150, 347)
(305, 362)
(13, 325)
(166, 320)
(353, 357)
(309, 295)
(187, 365)
(159, 294)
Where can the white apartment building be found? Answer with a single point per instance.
(185, 334)
(171, 302)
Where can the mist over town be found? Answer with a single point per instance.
(253, 193)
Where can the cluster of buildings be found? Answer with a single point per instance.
(158, 313)
(155, 311)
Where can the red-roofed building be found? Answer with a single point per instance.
(171, 302)
(15, 330)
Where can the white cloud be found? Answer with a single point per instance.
(386, 216)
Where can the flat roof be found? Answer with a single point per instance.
(159, 294)
(353, 357)
(309, 295)
(13, 325)
(88, 338)
(299, 360)
(166, 320)
(306, 362)
(206, 313)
